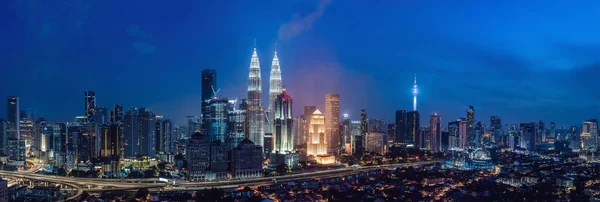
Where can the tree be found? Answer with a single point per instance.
(281, 168)
(142, 194)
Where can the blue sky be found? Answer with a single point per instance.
(521, 60)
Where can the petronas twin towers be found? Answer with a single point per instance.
(256, 113)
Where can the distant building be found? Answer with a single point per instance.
(165, 139)
(425, 138)
(413, 126)
(16, 143)
(101, 116)
(355, 131)
(246, 160)
(237, 125)
(471, 139)
(453, 135)
(589, 134)
(436, 132)
(332, 122)
(401, 129)
(527, 136)
(193, 125)
(215, 119)
(111, 134)
(376, 142)
(359, 142)
(90, 105)
(140, 133)
(209, 87)
(346, 135)
(4, 130)
(496, 131)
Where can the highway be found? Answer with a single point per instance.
(98, 184)
(303, 176)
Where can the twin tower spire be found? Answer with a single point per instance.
(255, 109)
(254, 80)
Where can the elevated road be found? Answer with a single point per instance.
(340, 172)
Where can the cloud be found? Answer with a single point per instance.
(136, 31)
(142, 40)
(298, 24)
(144, 47)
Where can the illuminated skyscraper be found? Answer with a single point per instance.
(275, 88)
(255, 109)
(332, 122)
(317, 143)
(283, 124)
(436, 132)
(471, 142)
(308, 111)
(415, 92)
(216, 119)
(90, 105)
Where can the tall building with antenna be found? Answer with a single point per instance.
(255, 108)
(275, 86)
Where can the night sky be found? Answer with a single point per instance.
(521, 60)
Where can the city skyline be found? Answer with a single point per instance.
(523, 88)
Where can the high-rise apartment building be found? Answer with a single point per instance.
(436, 132)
